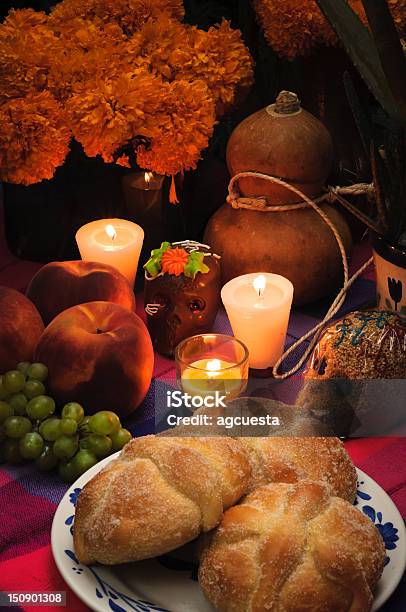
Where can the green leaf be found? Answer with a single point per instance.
(362, 50)
(153, 265)
(195, 264)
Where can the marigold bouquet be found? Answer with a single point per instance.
(295, 27)
(123, 77)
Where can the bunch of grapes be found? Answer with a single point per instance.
(29, 429)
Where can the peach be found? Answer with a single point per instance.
(98, 354)
(20, 328)
(62, 284)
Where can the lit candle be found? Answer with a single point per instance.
(258, 306)
(205, 376)
(147, 177)
(222, 366)
(112, 241)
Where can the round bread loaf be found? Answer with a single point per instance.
(291, 547)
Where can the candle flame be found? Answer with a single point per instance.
(259, 284)
(110, 231)
(213, 366)
(148, 176)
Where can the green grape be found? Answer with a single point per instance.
(68, 471)
(47, 460)
(120, 439)
(50, 429)
(83, 460)
(40, 407)
(17, 426)
(73, 410)
(13, 381)
(23, 367)
(104, 422)
(84, 443)
(33, 388)
(37, 371)
(99, 445)
(31, 445)
(18, 402)
(11, 452)
(65, 447)
(84, 429)
(69, 426)
(5, 411)
(3, 391)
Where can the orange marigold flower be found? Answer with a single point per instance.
(105, 114)
(178, 51)
(27, 47)
(398, 10)
(174, 260)
(128, 14)
(34, 138)
(183, 124)
(295, 27)
(123, 161)
(88, 52)
(124, 71)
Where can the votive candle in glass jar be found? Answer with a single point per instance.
(209, 363)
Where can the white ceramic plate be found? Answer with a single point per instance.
(169, 583)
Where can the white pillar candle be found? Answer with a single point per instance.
(112, 241)
(258, 306)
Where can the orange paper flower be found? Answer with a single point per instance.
(174, 261)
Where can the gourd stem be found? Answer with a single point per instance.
(286, 103)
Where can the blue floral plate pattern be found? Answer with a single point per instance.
(169, 583)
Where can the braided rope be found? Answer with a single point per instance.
(261, 204)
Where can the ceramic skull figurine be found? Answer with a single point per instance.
(182, 293)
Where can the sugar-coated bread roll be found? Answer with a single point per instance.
(291, 459)
(159, 494)
(163, 492)
(291, 548)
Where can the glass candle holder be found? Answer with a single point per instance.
(207, 364)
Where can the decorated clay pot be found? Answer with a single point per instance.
(285, 141)
(390, 267)
(181, 294)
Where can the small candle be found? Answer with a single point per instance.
(207, 363)
(143, 197)
(205, 376)
(112, 241)
(147, 177)
(258, 306)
